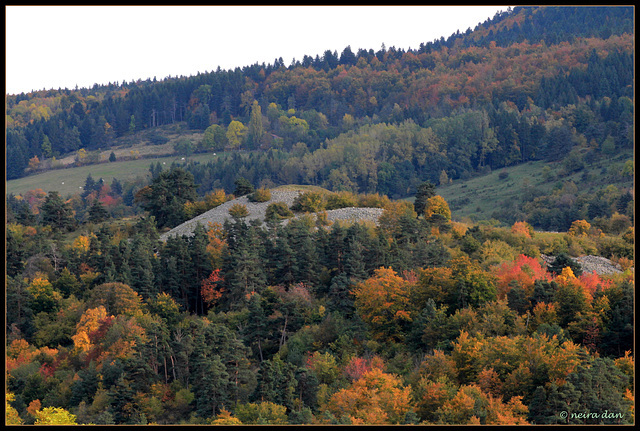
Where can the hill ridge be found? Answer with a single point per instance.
(257, 211)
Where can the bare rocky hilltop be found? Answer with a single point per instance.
(257, 210)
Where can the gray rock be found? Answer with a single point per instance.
(598, 264)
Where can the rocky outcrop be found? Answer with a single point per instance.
(599, 264)
(589, 264)
(257, 210)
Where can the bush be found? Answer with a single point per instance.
(262, 413)
(278, 211)
(341, 200)
(260, 195)
(238, 211)
(373, 200)
(311, 202)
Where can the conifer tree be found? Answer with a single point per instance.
(242, 267)
(201, 265)
(142, 275)
(97, 212)
(425, 191)
(277, 383)
(56, 213)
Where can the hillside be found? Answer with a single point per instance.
(532, 88)
(580, 78)
(492, 280)
(503, 195)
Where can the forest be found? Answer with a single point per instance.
(420, 318)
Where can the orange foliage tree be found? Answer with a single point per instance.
(216, 243)
(522, 228)
(357, 367)
(384, 303)
(375, 398)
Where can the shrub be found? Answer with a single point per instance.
(260, 195)
(278, 211)
(341, 200)
(311, 202)
(262, 413)
(373, 200)
(238, 211)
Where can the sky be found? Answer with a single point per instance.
(67, 46)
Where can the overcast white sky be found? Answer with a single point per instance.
(64, 46)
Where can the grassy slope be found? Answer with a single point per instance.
(74, 178)
(478, 198)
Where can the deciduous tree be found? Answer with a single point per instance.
(375, 398)
(384, 303)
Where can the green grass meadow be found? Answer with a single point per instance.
(69, 181)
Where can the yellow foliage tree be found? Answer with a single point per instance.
(54, 416)
(89, 322)
(579, 228)
(11, 416)
(235, 134)
(215, 198)
(225, 418)
(566, 276)
(82, 242)
(264, 412)
(216, 243)
(435, 283)
(394, 212)
(238, 211)
(543, 313)
(437, 205)
(81, 155)
(44, 297)
(34, 162)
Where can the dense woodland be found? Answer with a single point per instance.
(419, 319)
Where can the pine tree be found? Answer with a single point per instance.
(242, 267)
(169, 191)
(97, 212)
(210, 383)
(255, 333)
(201, 265)
(305, 257)
(142, 275)
(56, 213)
(277, 383)
(243, 187)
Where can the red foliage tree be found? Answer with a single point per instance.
(524, 270)
(210, 288)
